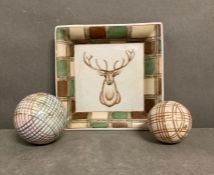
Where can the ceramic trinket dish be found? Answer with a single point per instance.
(109, 76)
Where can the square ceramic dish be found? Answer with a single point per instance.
(67, 36)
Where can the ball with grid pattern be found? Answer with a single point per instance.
(40, 118)
(169, 121)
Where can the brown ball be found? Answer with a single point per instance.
(169, 121)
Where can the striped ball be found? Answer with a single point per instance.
(40, 118)
(169, 121)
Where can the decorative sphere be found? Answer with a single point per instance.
(169, 121)
(40, 118)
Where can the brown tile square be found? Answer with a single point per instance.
(158, 30)
(139, 115)
(97, 32)
(149, 103)
(72, 50)
(120, 125)
(159, 86)
(79, 115)
(62, 88)
(150, 47)
(73, 108)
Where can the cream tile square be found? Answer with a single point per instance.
(72, 71)
(76, 33)
(143, 31)
(63, 49)
(99, 115)
(65, 104)
(149, 86)
(76, 125)
(138, 125)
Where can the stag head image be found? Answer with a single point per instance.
(109, 94)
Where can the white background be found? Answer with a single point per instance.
(129, 82)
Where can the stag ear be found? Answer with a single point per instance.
(117, 72)
(101, 73)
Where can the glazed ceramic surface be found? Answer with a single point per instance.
(169, 121)
(69, 36)
(40, 118)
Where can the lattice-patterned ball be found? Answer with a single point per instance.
(169, 121)
(40, 118)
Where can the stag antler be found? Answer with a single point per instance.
(130, 55)
(87, 61)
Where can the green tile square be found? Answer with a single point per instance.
(60, 34)
(62, 68)
(71, 88)
(117, 32)
(149, 66)
(99, 125)
(119, 115)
